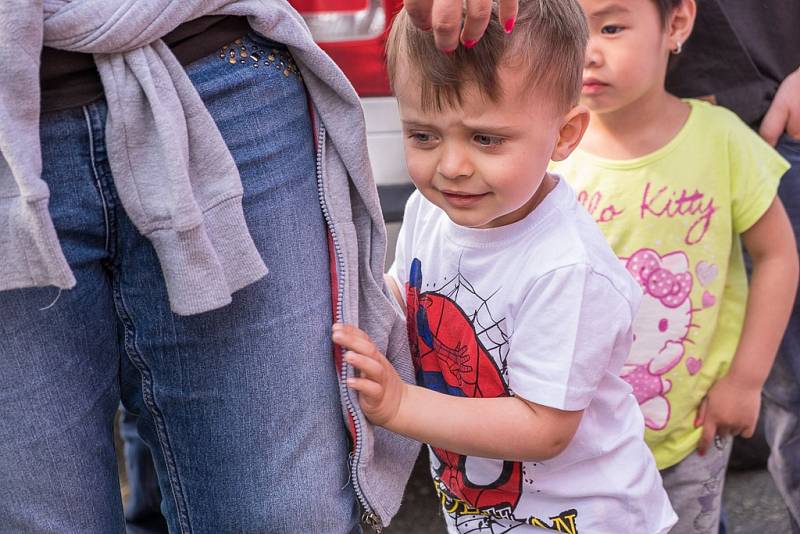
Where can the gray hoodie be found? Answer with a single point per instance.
(189, 204)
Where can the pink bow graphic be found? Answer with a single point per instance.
(670, 288)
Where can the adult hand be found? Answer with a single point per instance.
(443, 17)
(784, 112)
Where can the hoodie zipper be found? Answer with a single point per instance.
(369, 516)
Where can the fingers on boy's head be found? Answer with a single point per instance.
(548, 42)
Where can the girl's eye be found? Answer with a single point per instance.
(611, 29)
(488, 140)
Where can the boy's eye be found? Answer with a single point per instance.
(488, 140)
(611, 29)
(420, 137)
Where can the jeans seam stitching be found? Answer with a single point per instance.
(96, 174)
(133, 355)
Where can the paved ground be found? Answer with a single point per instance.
(753, 504)
(751, 500)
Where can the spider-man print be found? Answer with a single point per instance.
(449, 357)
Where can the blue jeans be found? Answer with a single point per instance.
(782, 390)
(239, 406)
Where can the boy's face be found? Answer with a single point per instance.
(483, 162)
(626, 57)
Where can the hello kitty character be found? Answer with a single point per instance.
(660, 329)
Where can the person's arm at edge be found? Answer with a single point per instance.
(732, 404)
(783, 114)
(508, 428)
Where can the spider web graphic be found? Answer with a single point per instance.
(491, 332)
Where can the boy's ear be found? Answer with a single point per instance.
(571, 132)
(681, 22)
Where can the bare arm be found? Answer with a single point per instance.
(398, 296)
(508, 428)
(731, 406)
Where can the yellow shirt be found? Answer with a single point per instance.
(674, 218)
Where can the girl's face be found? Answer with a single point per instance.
(627, 53)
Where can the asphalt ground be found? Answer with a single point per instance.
(751, 502)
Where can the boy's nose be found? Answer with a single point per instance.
(454, 163)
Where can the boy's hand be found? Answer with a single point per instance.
(729, 409)
(380, 388)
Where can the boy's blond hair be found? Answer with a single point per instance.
(548, 41)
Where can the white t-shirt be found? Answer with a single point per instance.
(540, 308)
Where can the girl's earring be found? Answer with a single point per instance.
(678, 48)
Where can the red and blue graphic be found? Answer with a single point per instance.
(449, 357)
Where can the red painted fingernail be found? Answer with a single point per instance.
(448, 50)
(509, 25)
(470, 43)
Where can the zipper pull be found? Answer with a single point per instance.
(372, 521)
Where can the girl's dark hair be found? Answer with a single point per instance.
(665, 7)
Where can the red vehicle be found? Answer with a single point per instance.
(353, 33)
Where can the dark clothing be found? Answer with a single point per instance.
(740, 51)
(71, 79)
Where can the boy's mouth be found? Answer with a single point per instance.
(462, 200)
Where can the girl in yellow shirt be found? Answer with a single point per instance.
(677, 186)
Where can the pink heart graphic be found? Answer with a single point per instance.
(706, 272)
(693, 365)
(708, 299)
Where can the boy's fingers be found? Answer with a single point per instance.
(369, 367)
(365, 386)
(477, 19)
(362, 346)
(353, 338)
(349, 330)
(446, 24)
(507, 13)
(748, 432)
(419, 11)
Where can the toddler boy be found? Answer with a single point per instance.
(519, 314)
